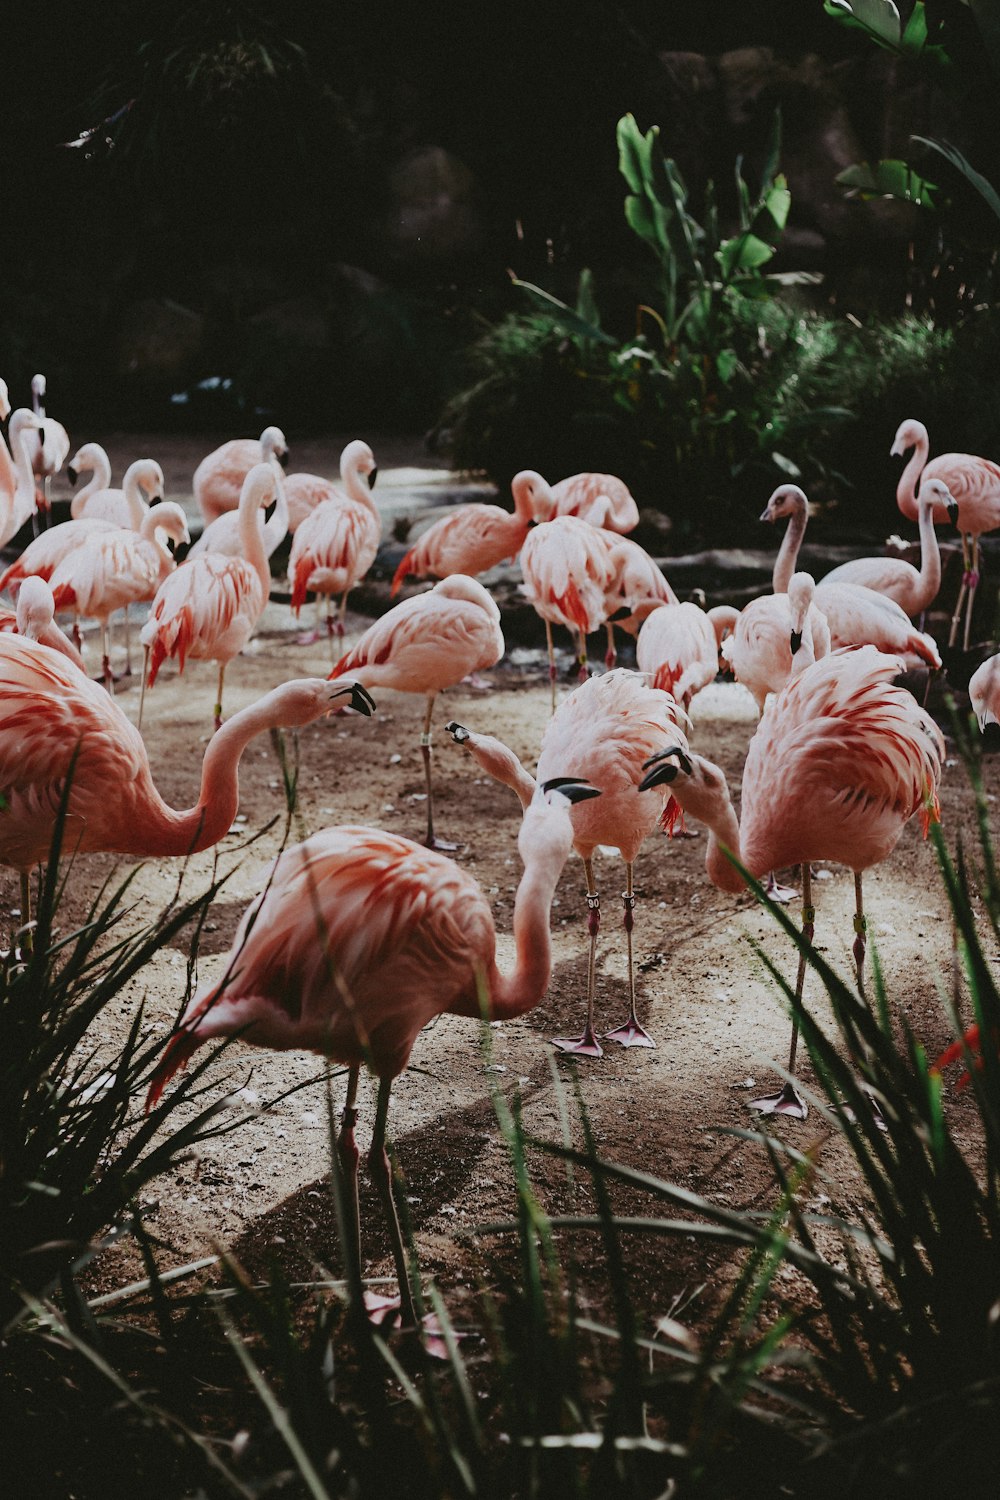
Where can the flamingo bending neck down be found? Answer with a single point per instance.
(984, 692)
(18, 504)
(407, 935)
(840, 763)
(602, 500)
(219, 478)
(34, 618)
(973, 507)
(605, 730)
(426, 644)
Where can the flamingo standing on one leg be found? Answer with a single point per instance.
(208, 608)
(58, 729)
(840, 763)
(34, 617)
(974, 507)
(113, 569)
(360, 939)
(568, 572)
(472, 538)
(358, 473)
(219, 478)
(604, 731)
(425, 644)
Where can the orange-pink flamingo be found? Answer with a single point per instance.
(974, 506)
(208, 608)
(913, 589)
(424, 645)
(359, 940)
(333, 548)
(219, 478)
(34, 617)
(112, 569)
(568, 572)
(472, 538)
(94, 459)
(223, 534)
(603, 731)
(142, 486)
(984, 692)
(602, 499)
(678, 648)
(840, 762)
(358, 473)
(59, 729)
(774, 636)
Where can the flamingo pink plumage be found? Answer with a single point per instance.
(568, 572)
(17, 504)
(49, 446)
(763, 650)
(984, 692)
(603, 732)
(219, 478)
(93, 458)
(914, 590)
(208, 608)
(333, 548)
(426, 644)
(840, 763)
(112, 569)
(43, 555)
(142, 486)
(359, 940)
(358, 473)
(472, 538)
(602, 499)
(974, 506)
(34, 618)
(678, 649)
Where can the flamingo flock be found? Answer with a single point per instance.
(359, 937)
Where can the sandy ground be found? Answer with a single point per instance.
(704, 992)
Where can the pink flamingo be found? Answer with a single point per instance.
(142, 486)
(913, 589)
(602, 499)
(112, 569)
(43, 555)
(840, 763)
(8, 473)
(34, 618)
(637, 583)
(774, 636)
(17, 504)
(568, 572)
(49, 447)
(358, 473)
(424, 645)
(984, 692)
(857, 616)
(332, 550)
(90, 458)
(359, 940)
(223, 534)
(208, 608)
(219, 478)
(974, 505)
(678, 649)
(472, 538)
(605, 729)
(59, 729)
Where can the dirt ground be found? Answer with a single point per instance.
(704, 993)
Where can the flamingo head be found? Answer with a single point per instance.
(936, 492)
(786, 501)
(458, 732)
(273, 445)
(909, 434)
(305, 699)
(697, 784)
(38, 387)
(91, 456)
(169, 518)
(984, 691)
(546, 830)
(532, 496)
(35, 609)
(357, 458)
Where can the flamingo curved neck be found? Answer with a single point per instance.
(252, 537)
(100, 479)
(510, 995)
(276, 525)
(167, 830)
(906, 489)
(355, 487)
(788, 552)
(929, 577)
(138, 509)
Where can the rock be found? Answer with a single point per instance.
(432, 216)
(157, 340)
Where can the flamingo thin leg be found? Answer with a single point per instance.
(381, 1175)
(953, 632)
(788, 1100)
(611, 655)
(431, 841)
(552, 662)
(28, 940)
(860, 934)
(584, 672)
(142, 690)
(218, 699)
(348, 1157)
(631, 1034)
(587, 1045)
(106, 673)
(973, 585)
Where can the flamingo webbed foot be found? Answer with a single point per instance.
(787, 1101)
(586, 1045)
(387, 1312)
(441, 846)
(777, 892)
(631, 1034)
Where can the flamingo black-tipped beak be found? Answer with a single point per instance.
(362, 701)
(41, 435)
(664, 767)
(71, 474)
(573, 788)
(795, 640)
(284, 459)
(372, 478)
(765, 514)
(896, 451)
(951, 506)
(458, 732)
